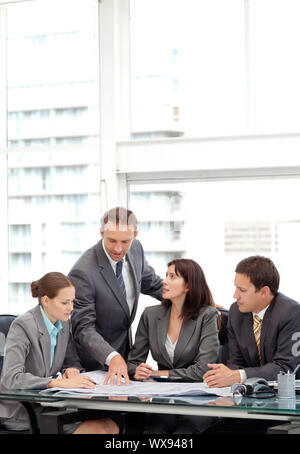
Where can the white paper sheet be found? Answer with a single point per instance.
(145, 389)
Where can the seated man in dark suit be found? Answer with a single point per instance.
(261, 327)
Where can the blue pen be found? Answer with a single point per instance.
(297, 367)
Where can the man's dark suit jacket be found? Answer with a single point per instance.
(101, 320)
(280, 322)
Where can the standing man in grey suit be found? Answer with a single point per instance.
(261, 327)
(109, 278)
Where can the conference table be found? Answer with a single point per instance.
(285, 411)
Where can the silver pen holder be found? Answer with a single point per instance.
(286, 386)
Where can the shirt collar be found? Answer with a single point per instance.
(111, 261)
(261, 313)
(50, 327)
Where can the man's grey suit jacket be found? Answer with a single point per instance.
(101, 319)
(280, 322)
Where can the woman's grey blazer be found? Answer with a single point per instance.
(26, 362)
(197, 343)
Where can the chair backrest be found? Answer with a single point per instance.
(223, 337)
(5, 322)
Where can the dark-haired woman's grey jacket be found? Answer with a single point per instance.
(197, 343)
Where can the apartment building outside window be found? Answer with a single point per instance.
(52, 111)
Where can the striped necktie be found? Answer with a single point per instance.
(257, 322)
(120, 277)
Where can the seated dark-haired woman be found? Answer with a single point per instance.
(182, 336)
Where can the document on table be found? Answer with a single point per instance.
(139, 388)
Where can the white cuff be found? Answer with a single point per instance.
(110, 357)
(243, 375)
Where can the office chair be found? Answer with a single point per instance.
(5, 322)
(223, 337)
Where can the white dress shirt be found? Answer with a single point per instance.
(170, 347)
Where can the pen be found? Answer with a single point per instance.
(295, 370)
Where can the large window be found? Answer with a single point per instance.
(276, 42)
(188, 67)
(53, 139)
(214, 67)
(52, 67)
(137, 92)
(215, 83)
(220, 223)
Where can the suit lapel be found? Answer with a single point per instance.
(264, 330)
(186, 332)
(110, 277)
(44, 339)
(135, 283)
(162, 331)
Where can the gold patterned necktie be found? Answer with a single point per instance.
(257, 322)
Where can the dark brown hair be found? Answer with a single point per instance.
(199, 294)
(49, 285)
(119, 216)
(261, 271)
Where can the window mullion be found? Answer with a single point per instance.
(250, 65)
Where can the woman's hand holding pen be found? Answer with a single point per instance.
(142, 372)
(77, 381)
